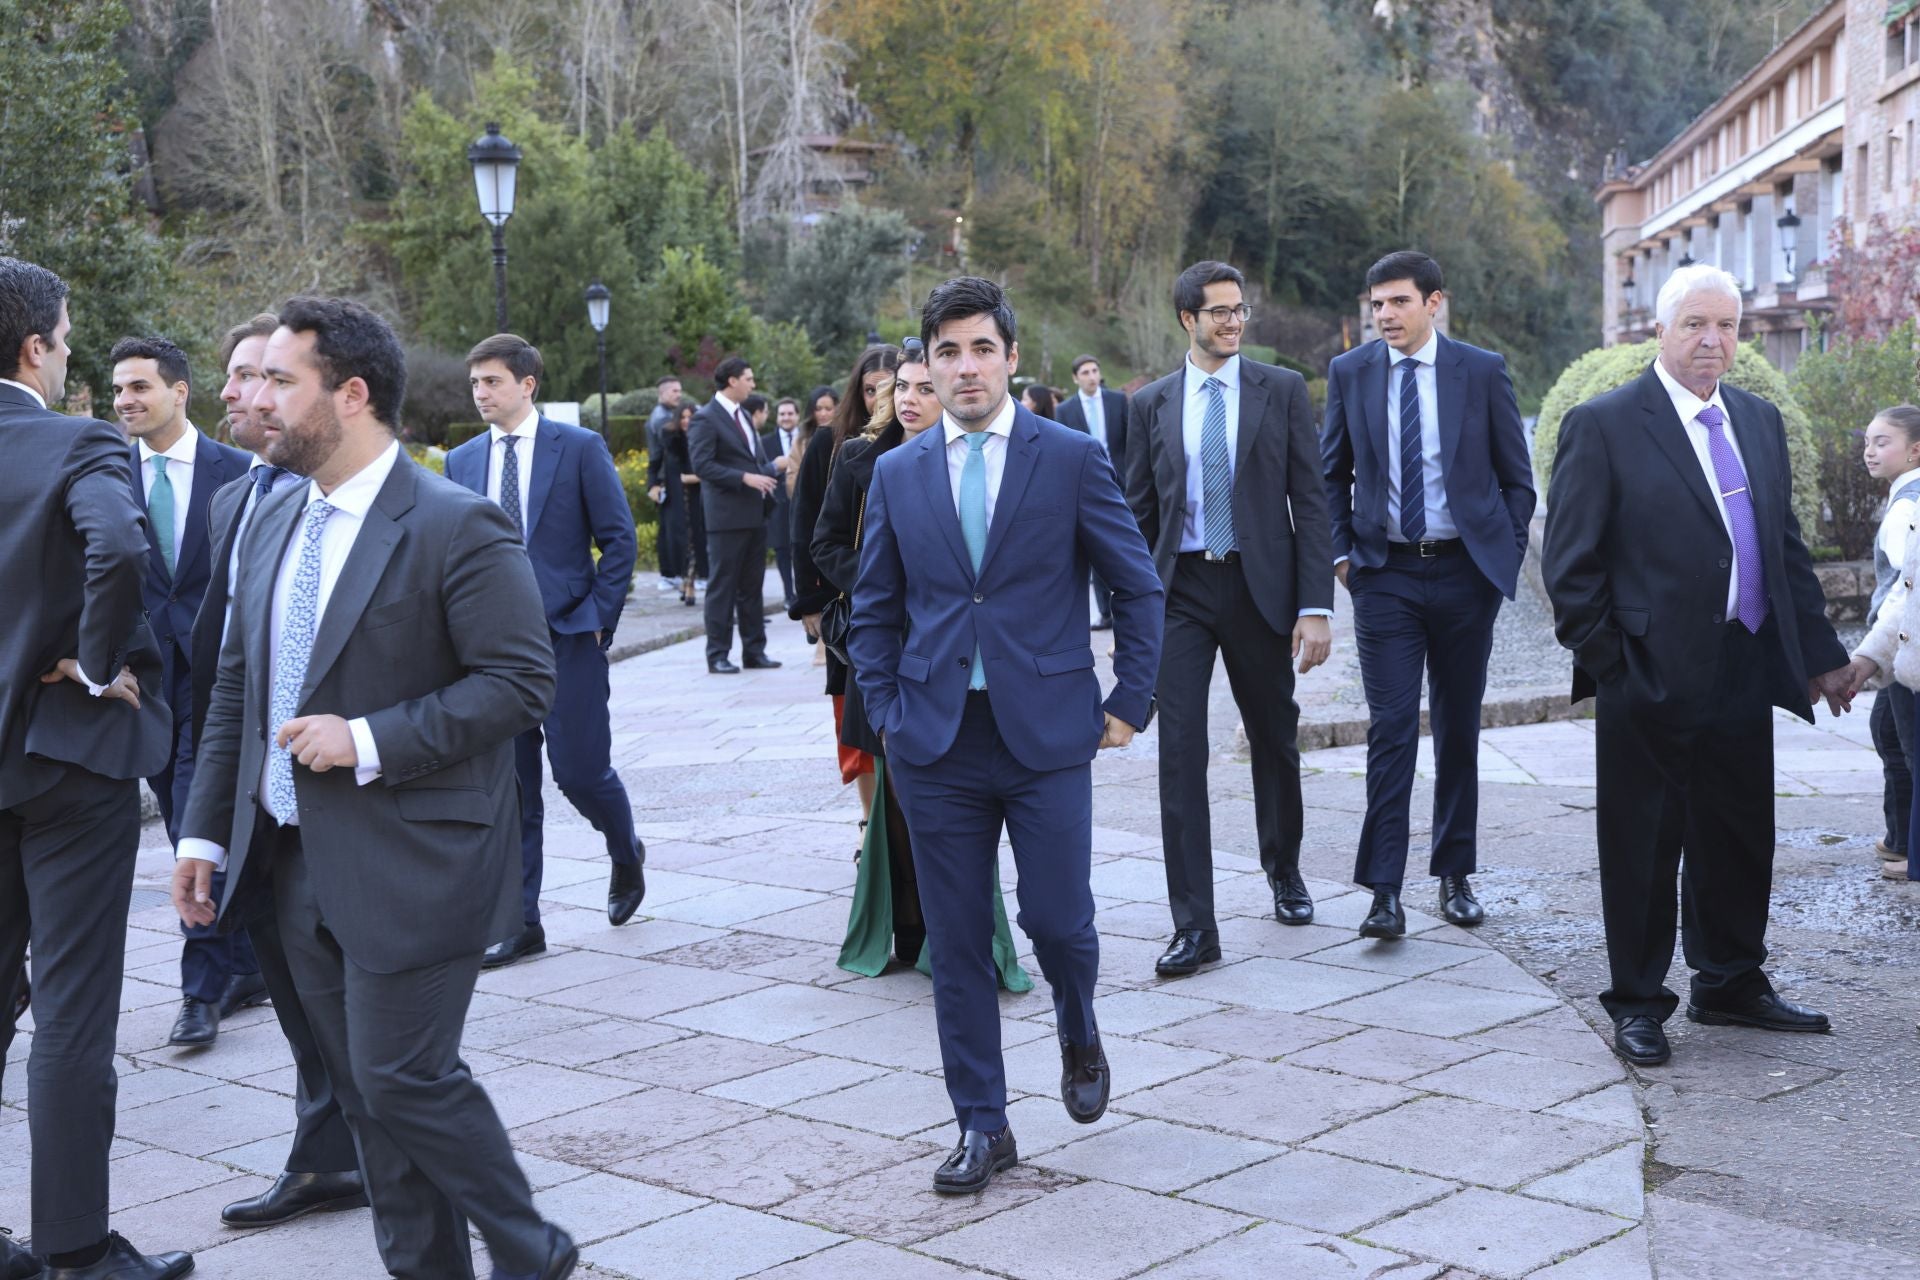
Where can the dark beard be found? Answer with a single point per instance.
(305, 446)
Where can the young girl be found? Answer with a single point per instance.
(1892, 453)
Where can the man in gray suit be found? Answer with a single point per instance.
(386, 644)
(73, 543)
(736, 492)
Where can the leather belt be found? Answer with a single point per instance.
(1230, 557)
(1426, 549)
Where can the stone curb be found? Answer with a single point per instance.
(1502, 708)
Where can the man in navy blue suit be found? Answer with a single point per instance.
(1431, 489)
(971, 648)
(558, 485)
(176, 469)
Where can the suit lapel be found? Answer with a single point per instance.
(938, 492)
(1253, 411)
(1670, 437)
(546, 461)
(206, 478)
(1023, 448)
(1450, 390)
(155, 560)
(273, 526)
(1170, 419)
(379, 534)
(1373, 404)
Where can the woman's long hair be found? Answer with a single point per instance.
(1045, 402)
(851, 418)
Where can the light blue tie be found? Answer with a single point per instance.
(973, 526)
(290, 664)
(160, 509)
(1216, 472)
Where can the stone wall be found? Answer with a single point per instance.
(1848, 586)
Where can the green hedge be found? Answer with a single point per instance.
(1605, 368)
(624, 434)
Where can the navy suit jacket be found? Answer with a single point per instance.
(1072, 413)
(575, 501)
(1483, 456)
(919, 609)
(172, 599)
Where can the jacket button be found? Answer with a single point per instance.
(1723, 564)
(963, 662)
(1903, 637)
(1718, 618)
(978, 598)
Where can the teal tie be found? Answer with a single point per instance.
(973, 526)
(160, 509)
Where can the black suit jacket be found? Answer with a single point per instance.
(780, 518)
(173, 598)
(1637, 558)
(72, 543)
(717, 448)
(1285, 546)
(1070, 413)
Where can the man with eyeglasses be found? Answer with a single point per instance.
(1221, 475)
(1431, 486)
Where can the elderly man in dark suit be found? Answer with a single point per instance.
(736, 491)
(1681, 583)
(1223, 478)
(1102, 414)
(386, 644)
(1431, 487)
(72, 550)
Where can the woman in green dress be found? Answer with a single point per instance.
(886, 901)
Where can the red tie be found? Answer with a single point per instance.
(740, 416)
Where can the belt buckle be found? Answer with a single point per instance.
(1428, 548)
(1215, 557)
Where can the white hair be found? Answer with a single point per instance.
(1701, 277)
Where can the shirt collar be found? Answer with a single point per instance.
(1002, 424)
(526, 429)
(1094, 398)
(732, 409)
(180, 454)
(1429, 352)
(1228, 373)
(356, 493)
(1905, 477)
(38, 398)
(1685, 403)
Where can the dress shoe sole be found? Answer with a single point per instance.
(1380, 934)
(975, 1188)
(1166, 970)
(513, 957)
(1465, 922)
(1305, 917)
(339, 1204)
(1643, 1060)
(619, 915)
(174, 1043)
(1715, 1018)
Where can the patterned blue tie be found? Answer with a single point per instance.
(264, 479)
(1216, 472)
(290, 664)
(510, 484)
(1413, 472)
(973, 526)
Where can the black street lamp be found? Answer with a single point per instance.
(496, 162)
(1789, 223)
(599, 300)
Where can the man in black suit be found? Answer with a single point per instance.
(72, 550)
(736, 493)
(776, 444)
(387, 642)
(1431, 487)
(1223, 479)
(1102, 414)
(176, 469)
(322, 1171)
(1680, 581)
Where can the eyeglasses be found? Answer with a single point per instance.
(1220, 315)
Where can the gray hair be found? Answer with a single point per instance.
(1701, 277)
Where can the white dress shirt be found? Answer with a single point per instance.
(1193, 532)
(1899, 520)
(179, 474)
(741, 422)
(1433, 483)
(351, 499)
(1093, 407)
(993, 452)
(247, 505)
(524, 436)
(1688, 406)
(786, 439)
(38, 398)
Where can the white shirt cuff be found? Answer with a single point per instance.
(204, 850)
(1316, 613)
(95, 689)
(1340, 560)
(365, 751)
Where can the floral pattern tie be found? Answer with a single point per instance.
(301, 620)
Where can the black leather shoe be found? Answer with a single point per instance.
(722, 668)
(1292, 904)
(1766, 1011)
(124, 1262)
(1641, 1040)
(1387, 920)
(1084, 1080)
(294, 1195)
(244, 991)
(626, 890)
(562, 1257)
(1458, 904)
(761, 664)
(15, 1262)
(974, 1162)
(197, 1025)
(1105, 623)
(530, 941)
(1189, 949)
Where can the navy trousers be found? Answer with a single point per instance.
(1891, 726)
(1414, 618)
(955, 809)
(578, 736)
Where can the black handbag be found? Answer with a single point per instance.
(836, 620)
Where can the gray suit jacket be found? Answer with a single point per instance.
(73, 544)
(717, 451)
(434, 633)
(1279, 500)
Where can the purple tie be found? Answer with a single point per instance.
(1746, 534)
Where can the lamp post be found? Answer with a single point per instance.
(599, 300)
(1789, 223)
(496, 161)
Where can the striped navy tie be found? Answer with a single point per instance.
(1413, 479)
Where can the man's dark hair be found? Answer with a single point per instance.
(786, 400)
(261, 326)
(30, 299)
(350, 341)
(755, 403)
(1080, 360)
(962, 298)
(1408, 264)
(1190, 286)
(729, 369)
(169, 359)
(521, 357)
(665, 378)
